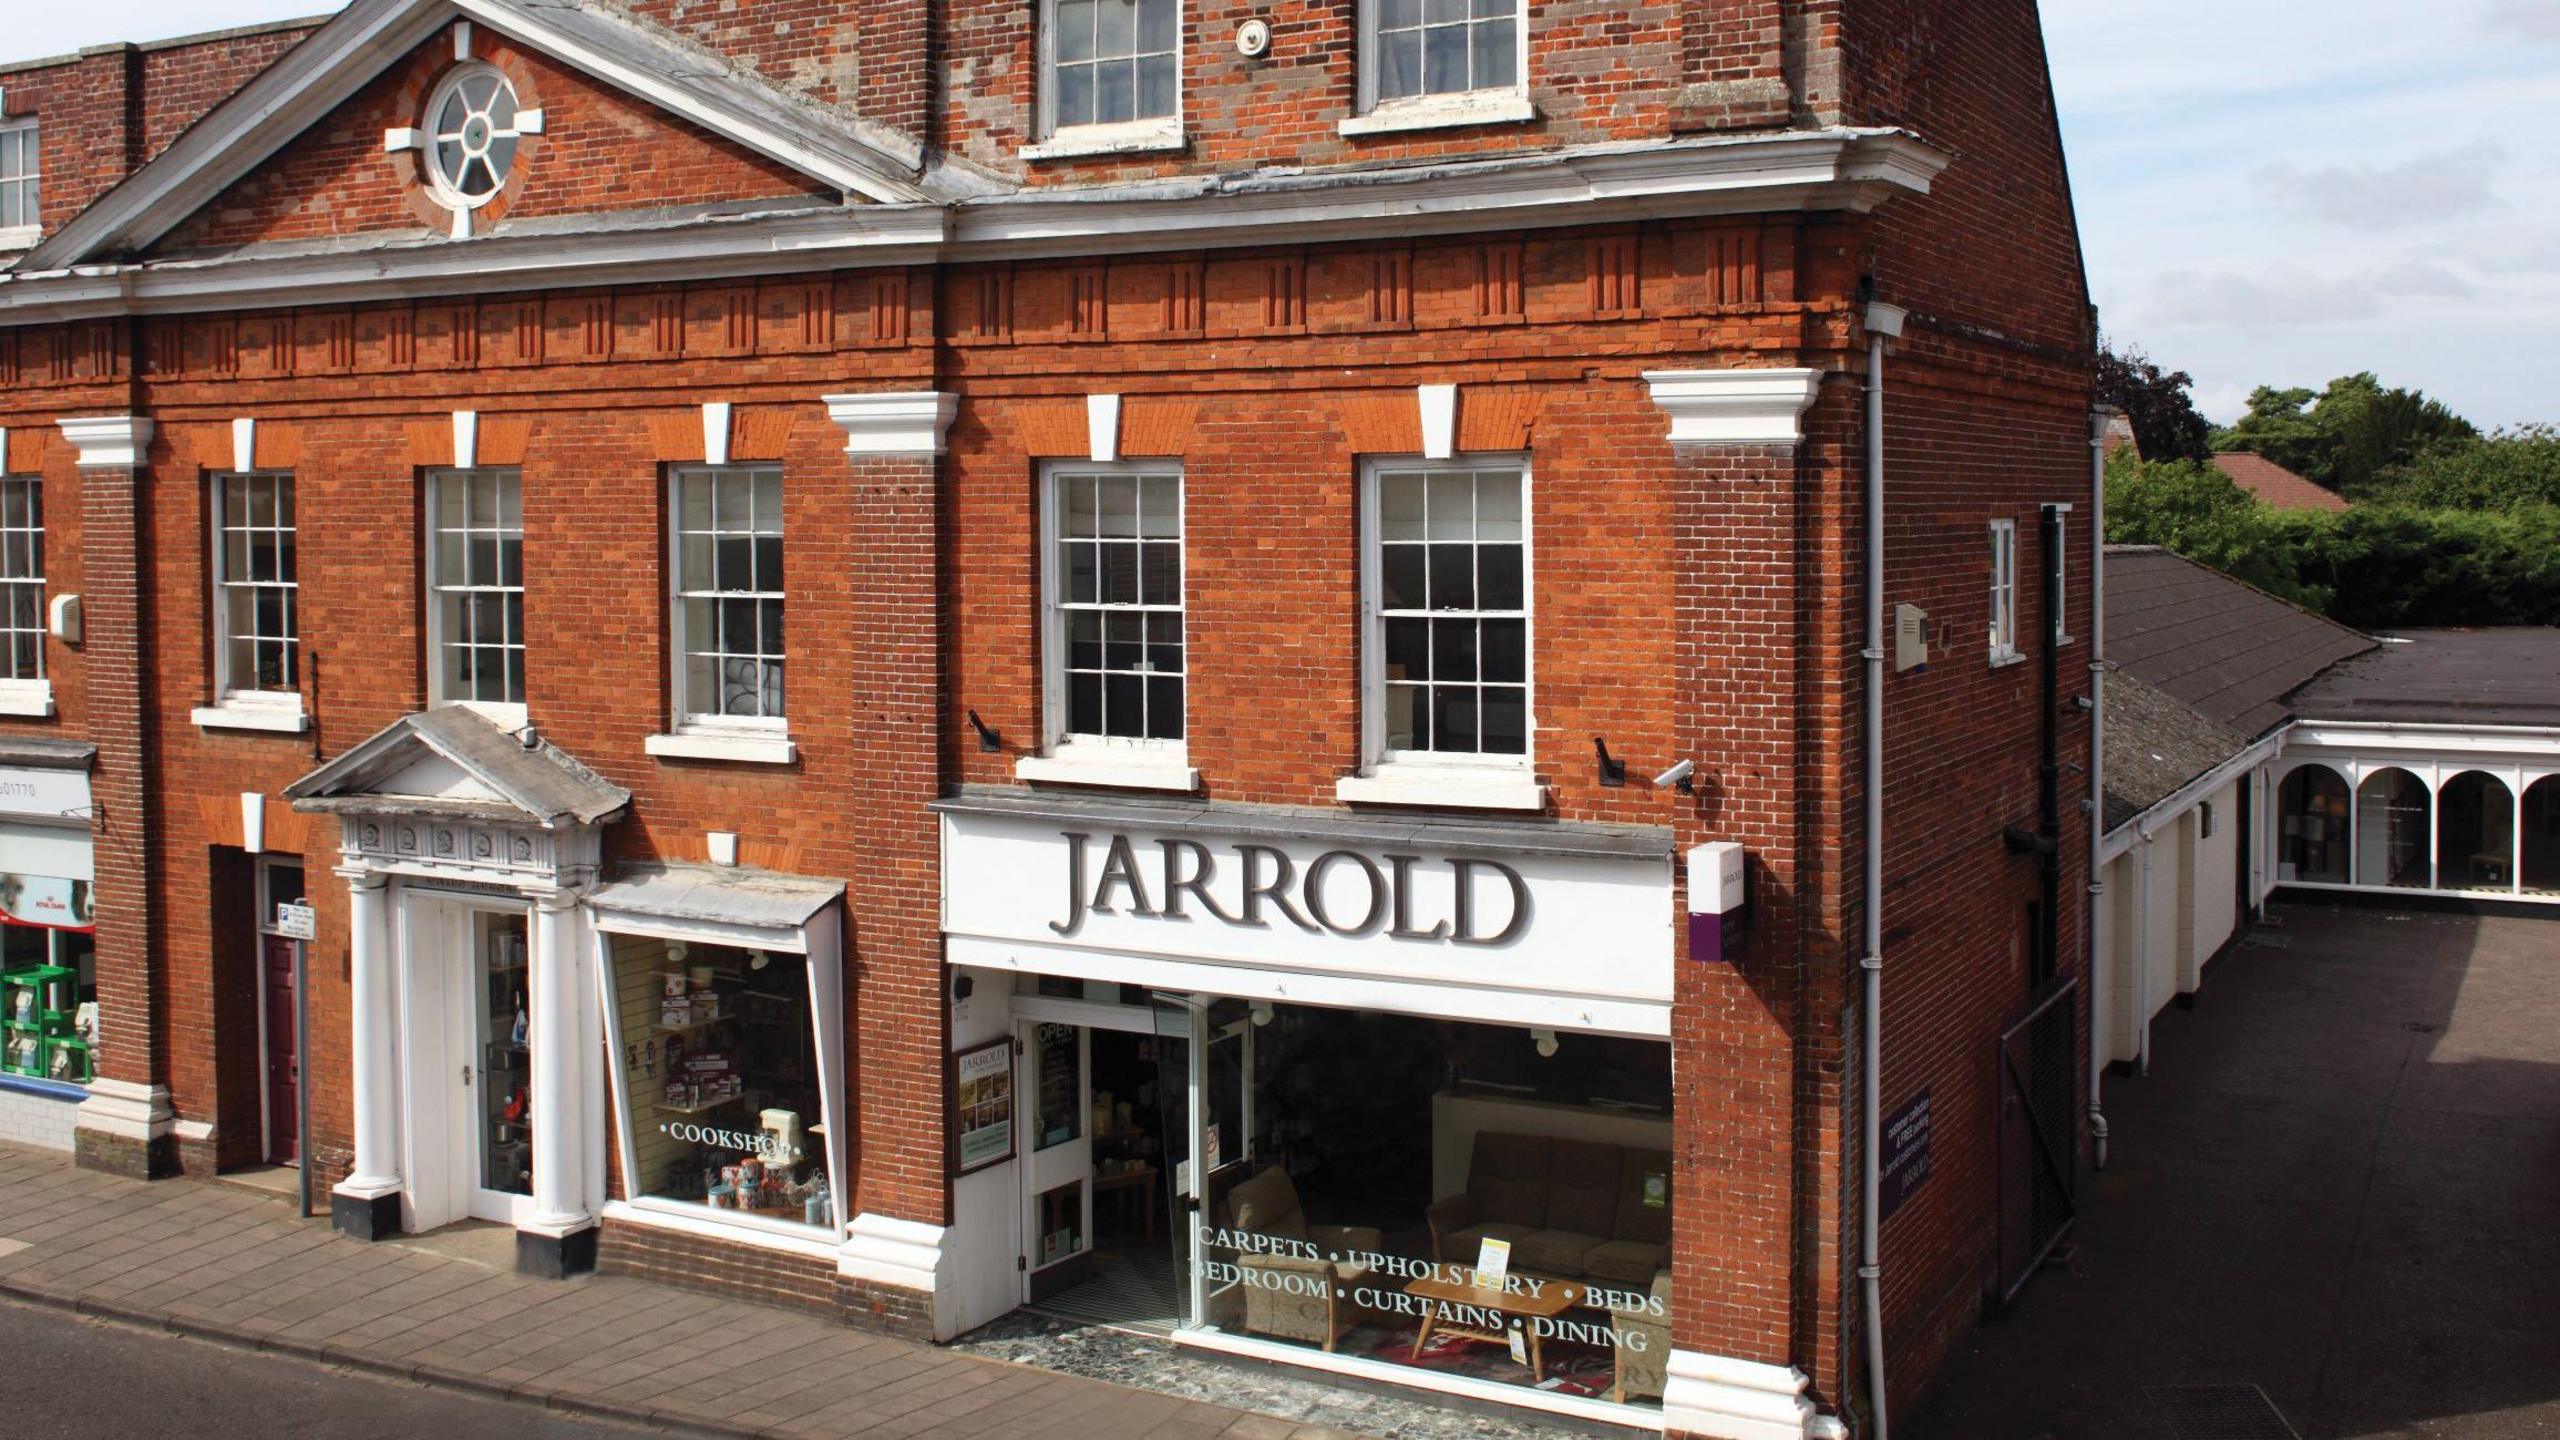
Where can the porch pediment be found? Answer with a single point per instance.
(454, 763)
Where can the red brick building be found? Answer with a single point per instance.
(920, 657)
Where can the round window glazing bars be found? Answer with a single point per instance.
(472, 135)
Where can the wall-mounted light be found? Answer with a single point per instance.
(757, 959)
(1545, 1040)
(1261, 1012)
(1613, 771)
(962, 987)
(989, 740)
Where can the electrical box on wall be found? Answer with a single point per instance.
(66, 619)
(1719, 902)
(1910, 638)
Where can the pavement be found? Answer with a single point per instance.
(232, 1265)
(84, 1378)
(2338, 1184)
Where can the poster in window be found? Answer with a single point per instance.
(982, 1094)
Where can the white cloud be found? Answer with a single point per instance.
(2534, 19)
(2421, 190)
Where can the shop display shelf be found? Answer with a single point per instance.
(692, 1028)
(705, 1107)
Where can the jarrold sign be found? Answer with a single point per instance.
(1041, 892)
(1341, 892)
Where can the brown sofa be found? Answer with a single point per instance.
(1319, 1309)
(1574, 1209)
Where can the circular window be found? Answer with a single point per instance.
(471, 134)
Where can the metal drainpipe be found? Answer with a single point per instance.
(2142, 969)
(2099, 919)
(1884, 322)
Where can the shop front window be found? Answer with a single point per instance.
(1485, 1204)
(721, 1080)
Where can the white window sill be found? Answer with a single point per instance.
(2002, 659)
(1441, 112)
(1441, 789)
(242, 713)
(746, 747)
(21, 237)
(1137, 137)
(26, 698)
(1116, 770)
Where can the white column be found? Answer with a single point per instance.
(377, 1081)
(560, 1139)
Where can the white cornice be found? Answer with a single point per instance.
(1820, 170)
(1735, 407)
(911, 422)
(108, 442)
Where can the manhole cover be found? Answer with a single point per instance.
(2221, 1412)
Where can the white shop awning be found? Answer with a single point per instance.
(720, 904)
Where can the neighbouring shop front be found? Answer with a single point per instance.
(48, 926)
(545, 1045)
(1389, 1099)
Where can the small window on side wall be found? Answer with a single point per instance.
(2004, 591)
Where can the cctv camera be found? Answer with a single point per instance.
(1675, 775)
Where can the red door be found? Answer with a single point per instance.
(284, 1065)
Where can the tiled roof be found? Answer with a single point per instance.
(2275, 485)
(2155, 745)
(2230, 652)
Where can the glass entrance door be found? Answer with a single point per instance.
(500, 1077)
(1058, 1146)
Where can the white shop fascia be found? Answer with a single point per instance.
(1562, 926)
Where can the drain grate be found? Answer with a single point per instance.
(2222, 1412)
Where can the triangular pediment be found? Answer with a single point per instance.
(454, 761)
(619, 116)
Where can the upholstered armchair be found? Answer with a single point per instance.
(1643, 1343)
(1297, 1297)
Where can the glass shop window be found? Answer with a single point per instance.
(721, 1080)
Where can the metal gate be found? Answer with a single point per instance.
(2038, 1086)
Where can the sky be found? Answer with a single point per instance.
(2270, 192)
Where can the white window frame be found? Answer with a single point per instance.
(447, 193)
(1492, 105)
(31, 694)
(1122, 137)
(2003, 635)
(2062, 574)
(24, 235)
(236, 706)
(508, 713)
(1120, 762)
(756, 739)
(1425, 777)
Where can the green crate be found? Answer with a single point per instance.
(68, 1061)
(25, 995)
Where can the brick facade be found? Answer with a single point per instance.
(1701, 602)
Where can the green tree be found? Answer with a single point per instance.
(2193, 508)
(2510, 470)
(2166, 423)
(2346, 436)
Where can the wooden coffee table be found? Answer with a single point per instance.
(1553, 1298)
